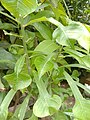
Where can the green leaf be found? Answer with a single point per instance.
(21, 81)
(47, 47)
(46, 104)
(20, 113)
(59, 116)
(83, 59)
(86, 60)
(82, 107)
(44, 30)
(33, 117)
(19, 65)
(78, 31)
(6, 26)
(78, 96)
(82, 110)
(5, 104)
(4, 44)
(43, 64)
(11, 6)
(61, 36)
(74, 31)
(20, 8)
(83, 87)
(7, 60)
(26, 7)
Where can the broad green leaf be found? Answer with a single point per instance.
(86, 60)
(11, 6)
(78, 96)
(6, 26)
(74, 31)
(83, 59)
(20, 113)
(59, 116)
(44, 30)
(4, 44)
(78, 31)
(47, 47)
(19, 65)
(43, 65)
(82, 110)
(20, 8)
(7, 60)
(46, 104)
(21, 81)
(33, 117)
(5, 104)
(61, 37)
(26, 7)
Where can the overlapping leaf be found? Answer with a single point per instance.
(82, 106)
(7, 60)
(21, 81)
(20, 8)
(82, 110)
(19, 64)
(43, 64)
(47, 47)
(74, 31)
(46, 104)
(83, 59)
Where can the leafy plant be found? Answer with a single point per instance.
(42, 39)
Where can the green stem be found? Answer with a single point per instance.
(67, 9)
(25, 48)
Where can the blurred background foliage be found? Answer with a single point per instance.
(79, 10)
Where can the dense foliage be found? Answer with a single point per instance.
(44, 47)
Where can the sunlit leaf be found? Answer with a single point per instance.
(21, 81)
(78, 96)
(47, 47)
(19, 64)
(46, 104)
(20, 113)
(83, 59)
(43, 64)
(44, 30)
(59, 116)
(74, 31)
(20, 8)
(82, 110)
(5, 104)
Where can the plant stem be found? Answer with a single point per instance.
(67, 9)
(25, 49)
